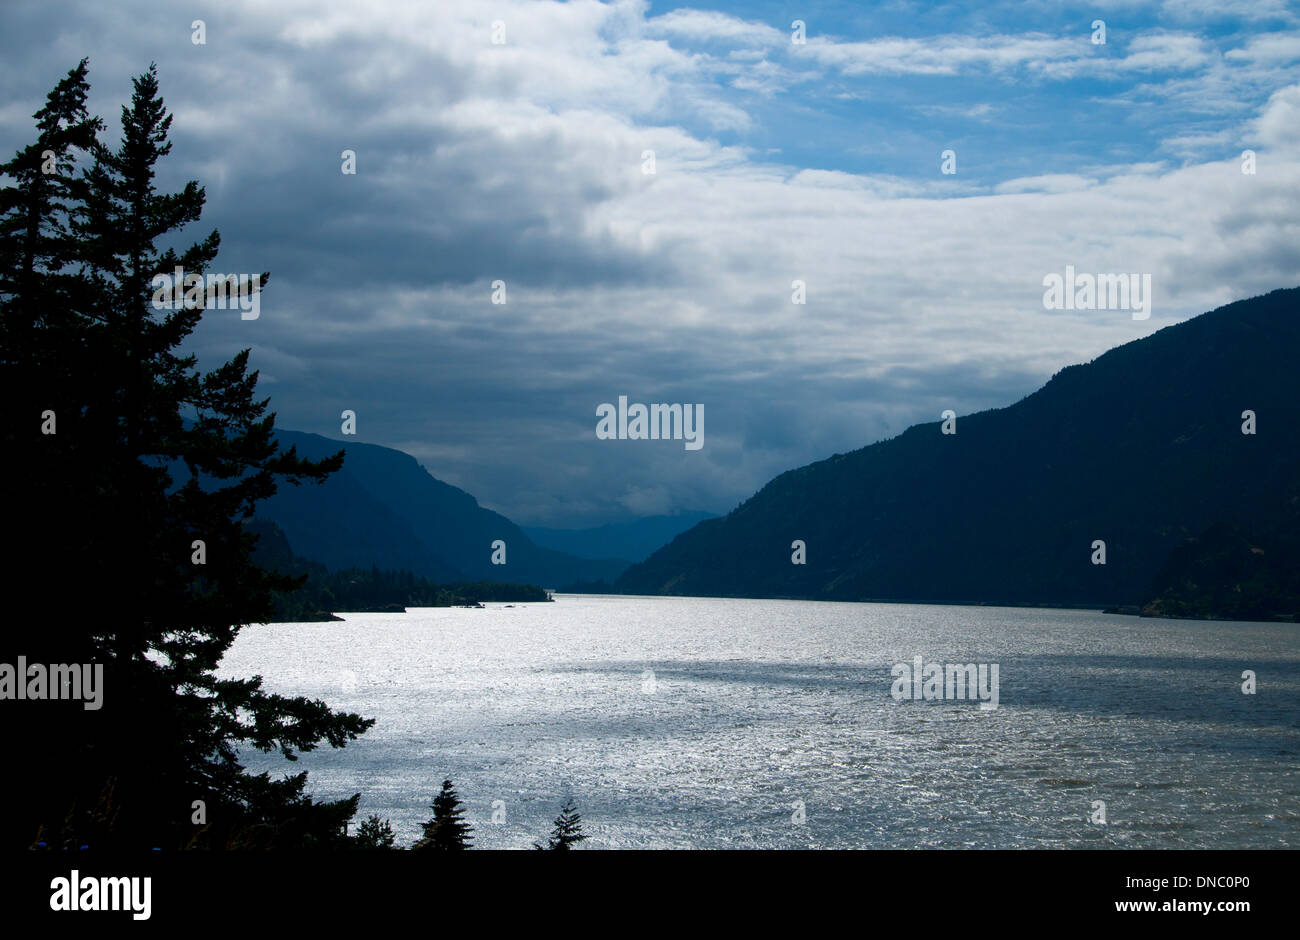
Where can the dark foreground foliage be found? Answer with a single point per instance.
(129, 474)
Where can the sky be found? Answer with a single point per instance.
(507, 141)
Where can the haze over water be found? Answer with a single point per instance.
(754, 705)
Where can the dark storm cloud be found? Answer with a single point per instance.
(523, 163)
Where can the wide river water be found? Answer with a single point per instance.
(703, 723)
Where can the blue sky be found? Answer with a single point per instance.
(522, 162)
(1017, 89)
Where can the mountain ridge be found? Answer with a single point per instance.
(384, 508)
(1140, 448)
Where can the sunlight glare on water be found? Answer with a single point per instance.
(700, 723)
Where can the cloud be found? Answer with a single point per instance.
(1202, 10)
(523, 162)
(1279, 125)
(1053, 57)
(1051, 183)
(647, 501)
(1270, 49)
(713, 25)
(941, 55)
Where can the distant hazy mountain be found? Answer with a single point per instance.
(630, 541)
(384, 509)
(324, 593)
(1141, 448)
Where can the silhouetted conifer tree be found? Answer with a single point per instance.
(447, 830)
(119, 456)
(568, 829)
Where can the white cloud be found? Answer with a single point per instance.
(710, 25)
(1049, 183)
(1270, 49)
(1279, 124)
(1202, 10)
(939, 55)
(523, 162)
(1056, 57)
